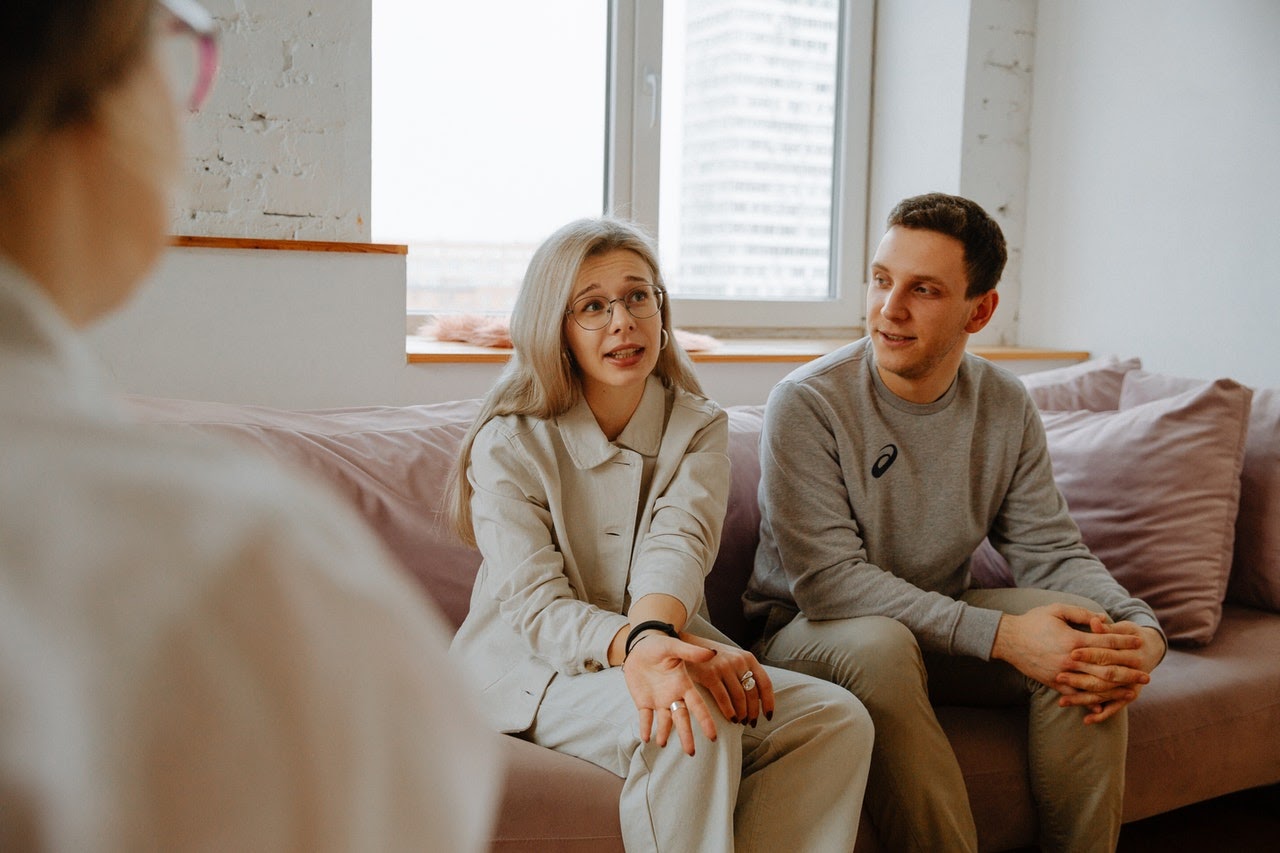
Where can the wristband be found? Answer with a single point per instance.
(651, 625)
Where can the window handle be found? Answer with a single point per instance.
(651, 92)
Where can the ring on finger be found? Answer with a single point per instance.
(677, 706)
(748, 680)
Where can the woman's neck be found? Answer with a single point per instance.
(613, 407)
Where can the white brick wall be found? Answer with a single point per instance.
(995, 150)
(281, 149)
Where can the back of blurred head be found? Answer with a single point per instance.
(56, 59)
(88, 147)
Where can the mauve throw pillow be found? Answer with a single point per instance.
(1155, 489)
(1255, 573)
(1093, 385)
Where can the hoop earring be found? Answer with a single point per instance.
(665, 338)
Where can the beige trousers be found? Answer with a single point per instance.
(793, 783)
(916, 794)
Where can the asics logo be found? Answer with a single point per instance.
(888, 453)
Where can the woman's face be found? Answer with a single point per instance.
(614, 360)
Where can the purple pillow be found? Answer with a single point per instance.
(1092, 385)
(1255, 572)
(1154, 489)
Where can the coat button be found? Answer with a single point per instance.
(592, 665)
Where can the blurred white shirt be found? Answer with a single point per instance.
(200, 652)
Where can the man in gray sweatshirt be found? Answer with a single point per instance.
(883, 466)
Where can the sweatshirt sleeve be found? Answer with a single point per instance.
(1036, 535)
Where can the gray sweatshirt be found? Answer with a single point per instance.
(871, 505)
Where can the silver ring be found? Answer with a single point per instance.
(677, 706)
(748, 680)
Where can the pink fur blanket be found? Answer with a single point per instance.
(479, 330)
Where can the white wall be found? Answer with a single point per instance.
(1152, 224)
(303, 330)
(281, 149)
(952, 106)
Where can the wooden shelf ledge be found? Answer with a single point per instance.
(421, 350)
(193, 242)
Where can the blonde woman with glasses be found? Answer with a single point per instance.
(594, 483)
(196, 651)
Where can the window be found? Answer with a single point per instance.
(488, 134)
(736, 131)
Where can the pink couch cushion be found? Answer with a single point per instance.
(1255, 573)
(391, 463)
(1155, 489)
(1092, 385)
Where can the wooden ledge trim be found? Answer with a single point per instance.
(192, 242)
(744, 351)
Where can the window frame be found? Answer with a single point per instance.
(632, 165)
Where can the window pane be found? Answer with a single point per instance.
(748, 125)
(488, 134)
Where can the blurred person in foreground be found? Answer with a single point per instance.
(196, 651)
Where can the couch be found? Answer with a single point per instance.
(1174, 482)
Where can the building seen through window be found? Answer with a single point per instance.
(489, 131)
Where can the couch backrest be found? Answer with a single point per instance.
(393, 465)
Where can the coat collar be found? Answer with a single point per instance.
(587, 444)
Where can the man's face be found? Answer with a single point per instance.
(917, 314)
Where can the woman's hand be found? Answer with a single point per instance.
(658, 677)
(725, 676)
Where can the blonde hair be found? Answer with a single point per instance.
(540, 380)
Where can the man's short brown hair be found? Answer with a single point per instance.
(984, 248)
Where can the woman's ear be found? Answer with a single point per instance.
(982, 309)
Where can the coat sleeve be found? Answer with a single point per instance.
(678, 550)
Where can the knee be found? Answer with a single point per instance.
(832, 714)
(854, 724)
(883, 635)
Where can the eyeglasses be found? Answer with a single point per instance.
(594, 312)
(190, 53)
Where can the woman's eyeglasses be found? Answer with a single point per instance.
(593, 312)
(189, 49)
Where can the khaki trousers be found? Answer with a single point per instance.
(793, 783)
(916, 794)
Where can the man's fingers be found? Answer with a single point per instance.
(1108, 710)
(1075, 614)
(1110, 674)
(1108, 640)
